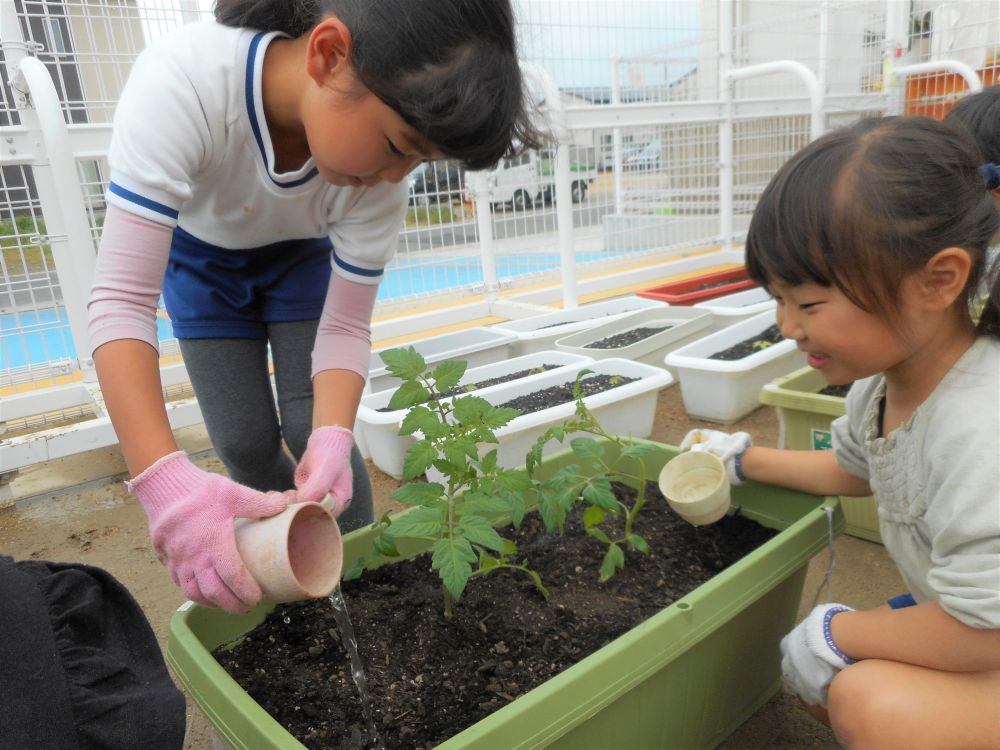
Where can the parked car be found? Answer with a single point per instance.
(435, 181)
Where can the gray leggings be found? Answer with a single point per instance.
(231, 382)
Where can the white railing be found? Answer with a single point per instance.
(683, 172)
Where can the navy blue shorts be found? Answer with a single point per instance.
(211, 292)
(902, 601)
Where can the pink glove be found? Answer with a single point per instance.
(325, 468)
(191, 516)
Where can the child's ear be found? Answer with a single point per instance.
(328, 51)
(945, 276)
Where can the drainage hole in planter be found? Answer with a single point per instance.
(768, 337)
(626, 338)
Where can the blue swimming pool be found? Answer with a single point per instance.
(33, 338)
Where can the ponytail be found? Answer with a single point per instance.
(292, 17)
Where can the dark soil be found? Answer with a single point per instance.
(772, 335)
(836, 390)
(714, 284)
(626, 338)
(491, 381)
(430, 677)
(563, 394)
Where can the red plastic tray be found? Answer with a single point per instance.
(689, 291)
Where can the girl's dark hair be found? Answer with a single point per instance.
(980, 115)
(448, 67)
(864, 206)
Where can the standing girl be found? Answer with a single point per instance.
(249, 156)
(873, 241)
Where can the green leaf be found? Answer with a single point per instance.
(614, 560)
(418, 493)
(482, 504)
(488, 563)
(410, 393)
(514, 480)
(418, 459)
(598, 533)
(537, 579)
(420, 522)
(593, 516)
(420, 418)
(469, 410)
(385, 545)
(355, 571)
(638, 543)
(558, 433)
(586, 448)
(447, 374)
(452, 559)
(406, 364)
(638, 450)
(598, 492)
(498, 417)
(480, 532)
(489, 462)
(459, 450)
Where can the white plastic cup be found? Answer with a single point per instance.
(295, 555)
(696, 486)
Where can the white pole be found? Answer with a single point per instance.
(797, 69)
(564, 222)
(59, 191)
(616, 138)
(482, 193)
(726, 125)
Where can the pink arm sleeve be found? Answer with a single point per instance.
(344, 338)
(128, 278)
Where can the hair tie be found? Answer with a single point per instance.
(991, 175)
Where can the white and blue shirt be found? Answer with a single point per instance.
(191, 149)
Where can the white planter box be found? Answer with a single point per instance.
(539, 332)
(686, 325)
(477, 346)
(724, 391)
(626, 410)
(733, 308)
(379, 430)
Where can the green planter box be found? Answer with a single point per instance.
(805, 416)
(686, 677)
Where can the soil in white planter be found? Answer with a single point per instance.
(464, 389)
(431, 677)
(626, 338)
(563, 394)
(752, 345)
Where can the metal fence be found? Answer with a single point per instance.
(677, 113)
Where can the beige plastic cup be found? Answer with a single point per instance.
(295, 555)
(696, 486)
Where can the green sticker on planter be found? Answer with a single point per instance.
(821, 440)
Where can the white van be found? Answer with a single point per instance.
(528, 179)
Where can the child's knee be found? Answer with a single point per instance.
(861, 704)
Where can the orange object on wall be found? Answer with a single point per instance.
(934, 94)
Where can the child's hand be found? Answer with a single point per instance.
(728, 447)
(325, 468)
(191, 515)
(809, 657)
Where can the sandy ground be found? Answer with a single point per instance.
(77, 509)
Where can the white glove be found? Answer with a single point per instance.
(728, 447)
(809, 657)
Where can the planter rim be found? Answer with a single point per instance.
(483, 337)
(690, 619)
(368, 409)
(580, 317)
(691, 357)
(684, 322)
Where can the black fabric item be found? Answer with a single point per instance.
(80, 668)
